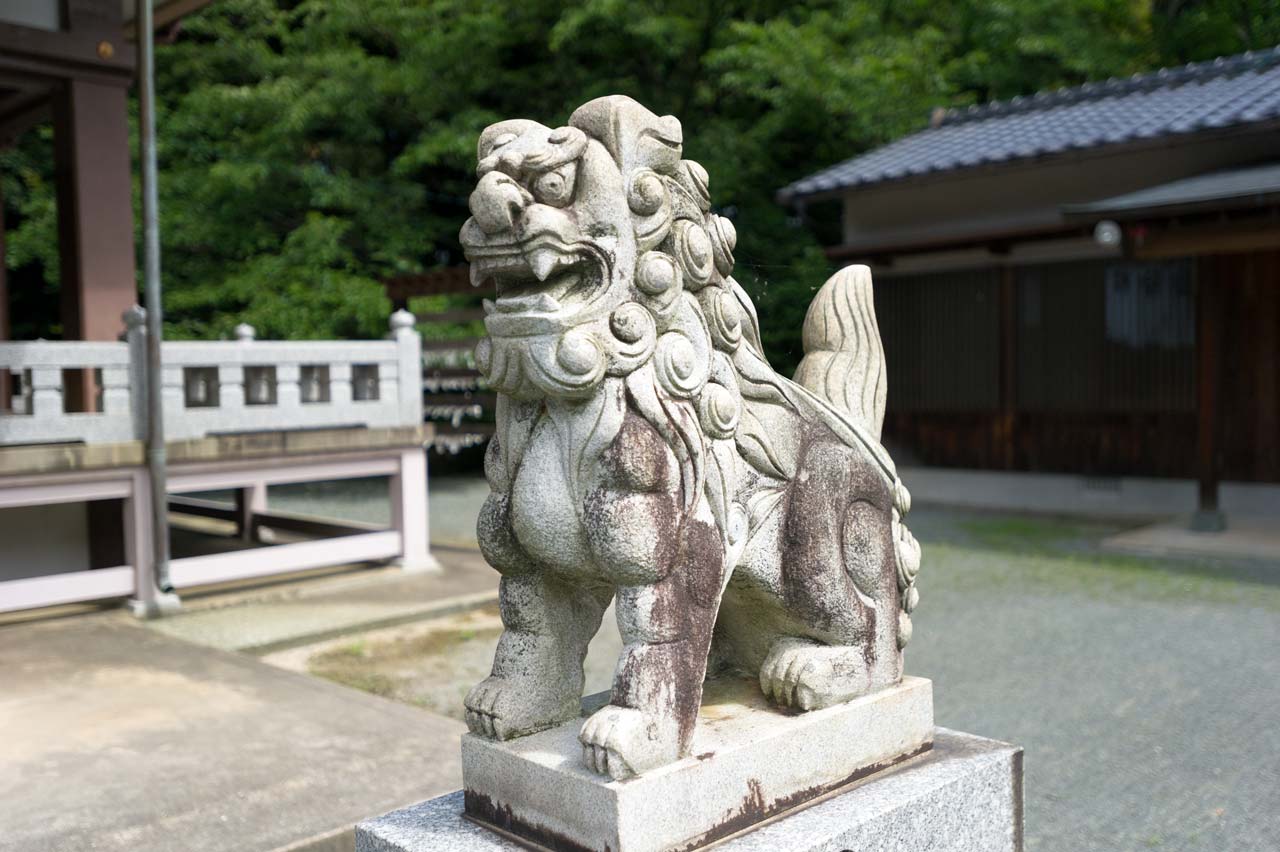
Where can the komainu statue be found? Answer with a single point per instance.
(647, 454)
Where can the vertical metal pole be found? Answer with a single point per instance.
(156, 460)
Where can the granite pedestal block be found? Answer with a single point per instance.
(963, 795)
(749, 760)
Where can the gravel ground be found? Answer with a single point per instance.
(1144, 691)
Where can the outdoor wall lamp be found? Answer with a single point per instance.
(1108, 233)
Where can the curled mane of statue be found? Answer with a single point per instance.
(647, 454)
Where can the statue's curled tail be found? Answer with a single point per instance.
(844, 359)
(844, 364)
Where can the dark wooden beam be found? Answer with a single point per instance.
(93, 16)
(102, 56)
(1211, 239)
(445, 345)
(1267, 364)
(1208, 518)
(434, 282)
(487, 399)
(4, 316)
(1007, 439)
(997, 241)
(458, 316)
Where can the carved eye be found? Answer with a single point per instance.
(554, 188)
(504, 139)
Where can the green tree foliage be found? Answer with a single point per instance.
(31, 234)
(309, 149)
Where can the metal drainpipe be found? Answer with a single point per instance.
(156, 461)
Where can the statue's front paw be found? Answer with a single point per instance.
(621, 742)
(809, 676)
(498, 709)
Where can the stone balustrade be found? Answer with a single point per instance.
(213, 387)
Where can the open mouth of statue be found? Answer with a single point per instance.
(537, 285)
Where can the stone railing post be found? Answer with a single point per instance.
(409, 367)
(233, 380)
(340, 391)
(46, 393)
(288, 387)
(135, 335)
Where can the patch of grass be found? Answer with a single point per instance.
(357, 648)
(358, 678)
(421, 666)
(1098, 575)
(1028, 553)
(1029, 533)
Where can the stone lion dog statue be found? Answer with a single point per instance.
(646, 453)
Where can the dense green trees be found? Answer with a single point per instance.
(308, 149)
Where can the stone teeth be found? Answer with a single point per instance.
(487, 304)
(536, 303)
(477, 274)
(542, 261)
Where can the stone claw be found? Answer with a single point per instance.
(479, 704)
(807, 675)
(622, 742)
(496, 708)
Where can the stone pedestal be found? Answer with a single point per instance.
(749, 760)
(752, 766)
(963, 795)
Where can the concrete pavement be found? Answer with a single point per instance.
(1246, 537)
(282, 615)
(1126, 497)
(118, 737)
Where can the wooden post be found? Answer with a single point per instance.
(1266, 331)
(5, 332)
(409, 511)
(250, 501)
(1207, 517)
(95, 222)
(1008, 367)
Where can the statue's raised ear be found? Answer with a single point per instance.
(635, 137)
(497, 135)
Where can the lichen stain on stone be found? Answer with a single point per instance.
(485, 811)
(755, 810)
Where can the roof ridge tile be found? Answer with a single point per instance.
(1196, 98)
(1220, 66)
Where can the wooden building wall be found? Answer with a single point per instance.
(1083, 367)
(1248, 304)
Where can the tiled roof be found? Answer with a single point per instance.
(1222, 93)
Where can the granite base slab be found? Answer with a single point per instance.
(749, 760)
(963, 795)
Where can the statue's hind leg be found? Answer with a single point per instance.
(838, 580)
